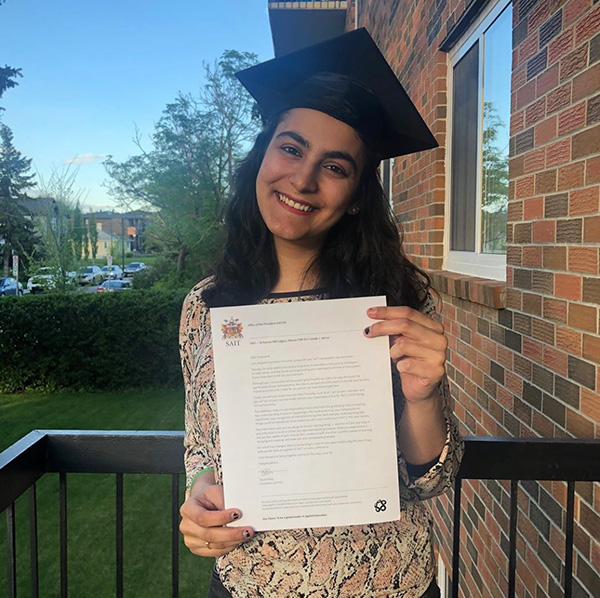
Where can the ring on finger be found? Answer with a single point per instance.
(207, 544)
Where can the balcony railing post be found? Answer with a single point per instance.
(62, 480)
(175, 535)
(11, 551)
(512, 538)
(33, 543)
(569, 539)
(456, 538)
(119, 534)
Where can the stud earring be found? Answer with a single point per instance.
(353, 210)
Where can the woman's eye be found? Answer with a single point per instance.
(290, 149)
(335, 169)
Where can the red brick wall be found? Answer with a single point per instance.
(532, 368)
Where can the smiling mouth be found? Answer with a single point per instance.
(288, 201)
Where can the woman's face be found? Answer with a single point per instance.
(308, 177)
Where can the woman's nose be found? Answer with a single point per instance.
(304, 178)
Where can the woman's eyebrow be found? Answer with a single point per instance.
(332, 154)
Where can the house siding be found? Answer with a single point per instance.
(523, 356)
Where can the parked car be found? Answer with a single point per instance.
(45, 279)
(134, 268)
(112, 272)
(89, 275)
(9, 286)
(112, 286)
(42, 280)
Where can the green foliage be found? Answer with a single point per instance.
(93, 235)
(60, 229)
(55, 245)
(8, 76)
(90, 341)
(85, 241)
(494, 201)
(184, 179)
(77, 232)
(16, 229)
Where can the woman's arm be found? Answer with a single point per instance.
(422, 430)
(203, 515)
(427, 432)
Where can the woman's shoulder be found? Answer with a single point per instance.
(206, 283)
(194, 302)
(431, 305)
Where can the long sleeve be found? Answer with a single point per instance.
(196, 362)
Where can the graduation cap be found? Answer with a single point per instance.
(329, 76)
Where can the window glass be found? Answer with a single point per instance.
(496, 116)
(464, 150)
(481, 66)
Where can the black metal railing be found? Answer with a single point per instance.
(79, 451)
(119, 453)
(523, 459)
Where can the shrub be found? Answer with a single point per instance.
(90, 341)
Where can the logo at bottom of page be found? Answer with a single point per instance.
(380, 505)
(231, 330)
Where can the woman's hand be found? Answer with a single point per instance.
(418, 348)
(203, 518)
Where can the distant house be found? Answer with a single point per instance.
(109, 243)
(39, 206)
(132, 225)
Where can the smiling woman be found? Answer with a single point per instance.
(308, 220)
(304, 186)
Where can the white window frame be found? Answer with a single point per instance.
(390, 186)
(473, 263)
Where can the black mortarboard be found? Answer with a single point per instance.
(388, 117)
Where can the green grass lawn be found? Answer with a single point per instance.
(91, 501)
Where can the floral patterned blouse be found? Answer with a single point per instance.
(392, 559)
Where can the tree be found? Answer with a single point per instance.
(61, 186)
(16, 227)
(8, 76)
(185, 177)
(77, 232)
(495, 179)
(85, 240)
(55, 228)
(93, 235)
(60, 228)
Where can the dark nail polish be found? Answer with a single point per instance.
(367, 330)
(246, 534)
(235, 515)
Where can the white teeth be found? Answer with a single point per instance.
(294, 204)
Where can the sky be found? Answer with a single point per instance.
(94, 71)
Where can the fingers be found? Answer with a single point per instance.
(213, 541)
(430, 337)
(417, 343)
(401, 312)
(403, 348)
(203, 524)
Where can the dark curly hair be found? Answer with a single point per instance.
(362, 254)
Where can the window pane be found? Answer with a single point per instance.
(464, 151)
(386, 182)
(496, 116)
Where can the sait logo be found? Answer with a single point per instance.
(232, 330)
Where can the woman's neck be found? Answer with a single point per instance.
(294, 263)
